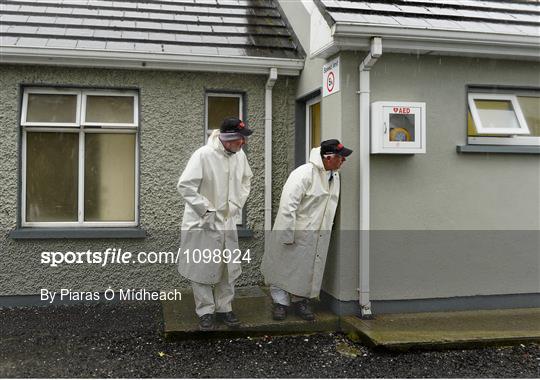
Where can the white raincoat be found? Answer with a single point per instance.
(213, 179)
(305, 217)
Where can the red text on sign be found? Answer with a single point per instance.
(401, 110)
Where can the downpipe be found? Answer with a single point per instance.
(364, 175)
(272, 77)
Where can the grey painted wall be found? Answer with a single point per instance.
(172, 124)
(299, 16)
(460, 225)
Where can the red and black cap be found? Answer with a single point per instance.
(235, 125)
(334, 147)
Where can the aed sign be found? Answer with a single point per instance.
(330, 73)
(402, 110)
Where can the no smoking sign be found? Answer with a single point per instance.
(331, 77)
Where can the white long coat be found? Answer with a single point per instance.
(305, 217)
(213, 179)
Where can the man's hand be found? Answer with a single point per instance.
(286, 237)
(209, 219)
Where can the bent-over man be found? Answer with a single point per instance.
(294, 264)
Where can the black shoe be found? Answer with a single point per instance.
(228, 318)
(303, 310)
(206, 322)
(279, 312)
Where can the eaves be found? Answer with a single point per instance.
(149, 61)
(348, 36)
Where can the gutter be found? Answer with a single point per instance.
(272, 77)
(364, 175)
(148, 61)
(352, 36)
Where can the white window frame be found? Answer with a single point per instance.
(208, 132)
(85, 95)
(480, 129)
(81, 131)
(310, 103)
(49, 91)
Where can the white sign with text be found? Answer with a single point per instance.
(331, 77)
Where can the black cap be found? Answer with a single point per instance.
(334, 147)
(235, 125)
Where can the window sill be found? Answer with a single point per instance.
(78, 233)
(244, 233)
(510, 149)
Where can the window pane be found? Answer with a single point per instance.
(530, 106)
(109, 177)
(497, 114)
(109, 109)
(401, 127)
(315, 116)
(52, 161)
(220, 108)
(49, 108)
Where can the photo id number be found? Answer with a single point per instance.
(217, 256)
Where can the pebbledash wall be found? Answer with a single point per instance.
(171, 128)
(447, 226)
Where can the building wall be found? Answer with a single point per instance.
(446, 224)
(171, 128)
(304, 16)
(480, 212)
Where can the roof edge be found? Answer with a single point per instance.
(347, 36)
(148, 61)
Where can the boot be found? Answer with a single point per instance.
(206, 322)
(279, 312)
(303, 310)
(229, 319)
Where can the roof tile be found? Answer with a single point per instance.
(63, 43)
(89, 44)
(490, 16)
(32, 42)
(8, 40)
(115, 45)
(226, 27)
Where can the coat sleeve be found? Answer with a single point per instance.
(293, 192)
(188, 186)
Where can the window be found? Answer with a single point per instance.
(510, 118)
(79, 158)
(220, 106)
(313, 125)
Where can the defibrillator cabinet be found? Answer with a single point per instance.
(398, 127)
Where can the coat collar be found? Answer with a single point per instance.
(215, 143)
(316, 159)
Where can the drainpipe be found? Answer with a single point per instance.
(364, 144)
(272, 77)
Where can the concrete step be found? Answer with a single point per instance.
(253, 307)
(441, 330)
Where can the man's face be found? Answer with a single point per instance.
(333, 161)
(234, 145)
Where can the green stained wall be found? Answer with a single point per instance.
(172, 127)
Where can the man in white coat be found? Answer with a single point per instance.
(215, 185)
(294, 264)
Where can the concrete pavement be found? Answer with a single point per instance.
(392, 331)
